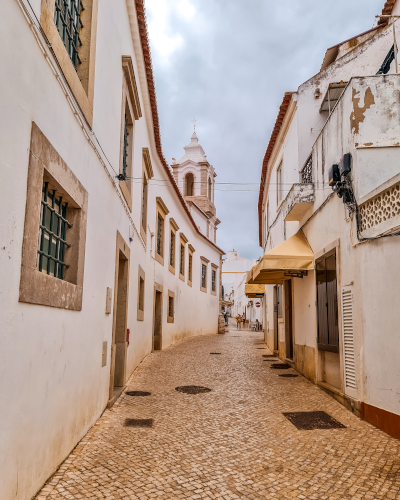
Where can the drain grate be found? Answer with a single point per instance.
(280, 366)
(138, 393)
(287, 375)
(261, 348)
(269, 356)
(311, 420)
(138, 422)
(215, 353)
(192, 389)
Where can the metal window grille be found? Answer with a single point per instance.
(141, 294)
(213, 281)
(52, 234)
(172, 250)
(190, 267)
(306, 172)
(144, 203)
(203, 275)
(159, 234)
(182, 259)
(67, 18)
(125, 152)
(171, 307)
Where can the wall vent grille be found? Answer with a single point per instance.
(380, 208)
(348, 338)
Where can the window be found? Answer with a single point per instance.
(70, 27)
(52, 233)
(214, 279)
(171, 307)
(190, 265)
(172, 250)
(279, 182)
(67, 18)
(160, 235)
(203, 277)
(189, 185)
(161, 212)
(183, 241)
(53, 251)
(173, 227)
(182, 261)
(209, 190)
(140, 304)
(130, 112)
(147, 174)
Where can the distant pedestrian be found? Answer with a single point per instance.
(244, 319)
(238, 321)
(226, 318)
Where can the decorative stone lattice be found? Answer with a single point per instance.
(306, 172)
(382, 207)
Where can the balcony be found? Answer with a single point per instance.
(298, 201)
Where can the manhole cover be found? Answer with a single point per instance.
(138, 393)
(288, 375)
(280, 366)
(138, 422)
(192, 389)
(215, 353)
(310, 420)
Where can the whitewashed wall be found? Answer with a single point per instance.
(51, 379)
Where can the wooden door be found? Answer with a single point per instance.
(327, 304)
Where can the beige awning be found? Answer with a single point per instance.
(293, 256)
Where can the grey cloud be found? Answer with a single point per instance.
(238, 59)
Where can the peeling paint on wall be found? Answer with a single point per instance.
(358, 114)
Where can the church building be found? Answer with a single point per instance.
(195, 178)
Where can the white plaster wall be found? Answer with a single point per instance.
(51, 374)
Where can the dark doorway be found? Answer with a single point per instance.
(288, 319)
(121, 321)
(327, 304)
(157, 329)
(277, 313)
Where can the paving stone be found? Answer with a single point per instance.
(233, 442)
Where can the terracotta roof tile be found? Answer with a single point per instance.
(387, 11)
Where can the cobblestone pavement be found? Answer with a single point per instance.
(232, 442)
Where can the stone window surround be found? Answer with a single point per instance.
(214, 267)
(173, 229)
(45, 164)
(183, 240)
(148, 173)
(130, 100)
(191, 251)
(80, 81)
(141, 277)
(204, 261)
(170, 319)
(162, 211)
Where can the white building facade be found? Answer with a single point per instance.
(99, 266)
(329, 269)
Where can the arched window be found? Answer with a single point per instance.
(189, 185)
(209, 190)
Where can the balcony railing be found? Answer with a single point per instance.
(306, 174)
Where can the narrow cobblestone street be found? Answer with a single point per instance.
(232, 442)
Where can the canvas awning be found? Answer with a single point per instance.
(292, 258)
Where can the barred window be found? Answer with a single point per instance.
(159, 234)
(172, 250)
(125, 151)
(67, 18)
(213, 275)
(203, 275)
(190, 267)
(141, 294)
(52, 234)
(182, 263)
(170, 307)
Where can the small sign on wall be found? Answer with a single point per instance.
(108, 300)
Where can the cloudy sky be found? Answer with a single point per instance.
(228, 63)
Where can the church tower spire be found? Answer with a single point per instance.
(195, 178)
